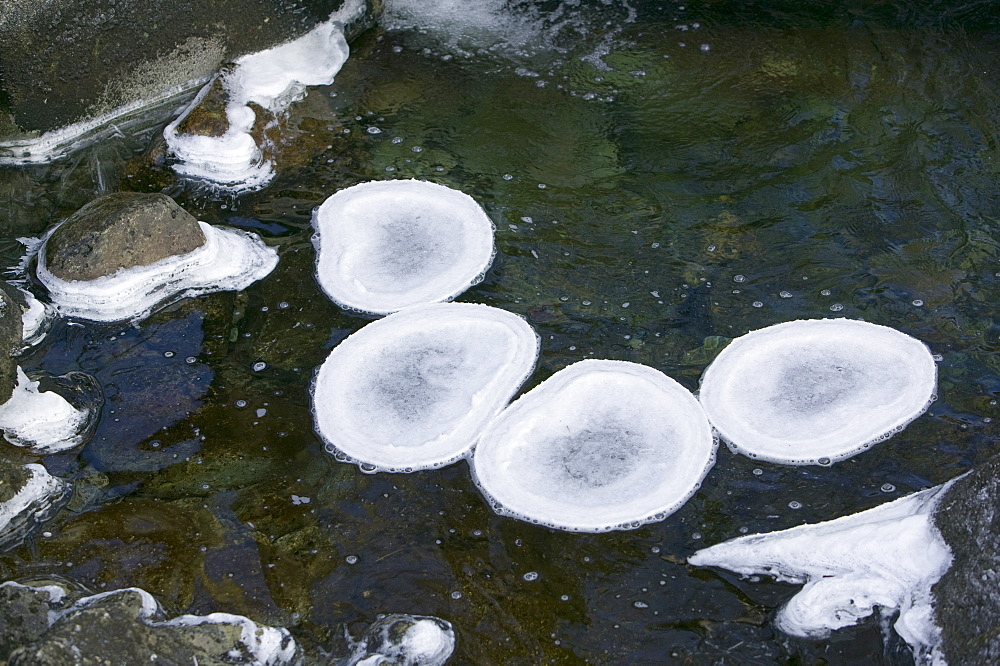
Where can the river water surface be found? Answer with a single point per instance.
(663, 176)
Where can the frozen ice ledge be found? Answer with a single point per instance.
(932, 556)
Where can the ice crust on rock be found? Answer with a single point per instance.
(258, 645)
(414, 390)
(817, 391)
(600, 445)
(41, 420)
(271, 79)
(31, 503)
(889, 556)
(386, 245)
(405, 640)
(230, 259)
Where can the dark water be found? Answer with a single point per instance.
(653, 198)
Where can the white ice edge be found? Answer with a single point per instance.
(273, 79)
(385, 245)
(468, 359)
(804, 391)
(269, 646)
(34, 493)
(34, 320)
(230, 259)
(890, 556)
(56, 593)
(41, 420)
(60, 142)
(599, 445)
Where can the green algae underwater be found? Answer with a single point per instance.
(659, 185)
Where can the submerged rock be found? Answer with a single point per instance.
(35, 317)
(126, 627)
(124, 254)
(28, 496)
(966, 602)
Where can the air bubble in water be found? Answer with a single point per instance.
(530, 576)
(795, 505)
(888, 488)
(739, 278)
(836, 307)
(351, 559)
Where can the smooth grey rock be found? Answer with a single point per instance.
(120, 230)
(64, 61)
(967, 598)
(11, 334)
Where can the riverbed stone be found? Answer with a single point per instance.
(967, 604)
(11, 333)
(120, 230)
(70, 60)
(124, 627)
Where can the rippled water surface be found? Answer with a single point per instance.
(663, 177)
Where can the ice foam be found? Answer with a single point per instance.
(599, 445)
(272, 79)
(230, 259)
(385, 245)
(41, 420)
(889, 556)
(405, 640)
(414, 390)
(817, 391)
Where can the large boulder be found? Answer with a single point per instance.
(966, 599)
(66, 61)
(120, 230)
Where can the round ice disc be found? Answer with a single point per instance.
(817, 391)
(383, 246)
(600, 445)
(414, 390)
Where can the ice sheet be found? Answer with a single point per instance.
(817, 391)
(413, 391)
(382, 246)
(600, 445)
(889, 556)
(41, 420)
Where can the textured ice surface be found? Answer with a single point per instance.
(599, 445)
(414, 390)
(271, 79)
(383, 246)
(405, 640)
(42, 420)
(35, 319)
(889, 556)
(817, 391)
(31, 503)
(230, 259)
